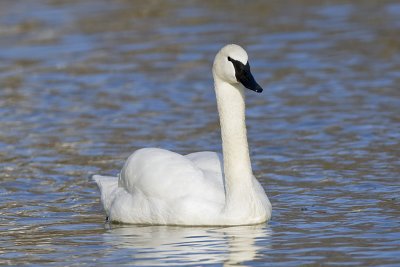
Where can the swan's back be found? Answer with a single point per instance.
(207, 161)
(159, 173)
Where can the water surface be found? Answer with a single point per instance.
(85, 83)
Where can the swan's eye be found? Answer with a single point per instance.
(230, 59)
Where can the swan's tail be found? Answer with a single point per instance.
(108, 186)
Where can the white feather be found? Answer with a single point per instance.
(157, 186)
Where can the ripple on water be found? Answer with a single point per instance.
(83, 84)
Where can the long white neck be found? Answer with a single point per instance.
(238, 174)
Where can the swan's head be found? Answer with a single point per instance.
(231, 65)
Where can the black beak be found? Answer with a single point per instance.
(244, 76)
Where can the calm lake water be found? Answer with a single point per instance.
(85, 83)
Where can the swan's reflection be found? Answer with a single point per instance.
(172, 245)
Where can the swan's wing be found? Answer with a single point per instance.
(207, 161)
(163, 174)
(160, 186)
(108, 186)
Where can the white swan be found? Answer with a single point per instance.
(157, 186)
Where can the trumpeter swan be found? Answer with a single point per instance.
(157, 186)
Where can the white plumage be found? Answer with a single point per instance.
(157, 186)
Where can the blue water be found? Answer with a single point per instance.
(85, 83)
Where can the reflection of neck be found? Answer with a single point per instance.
(241, 243)
(237, 167)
